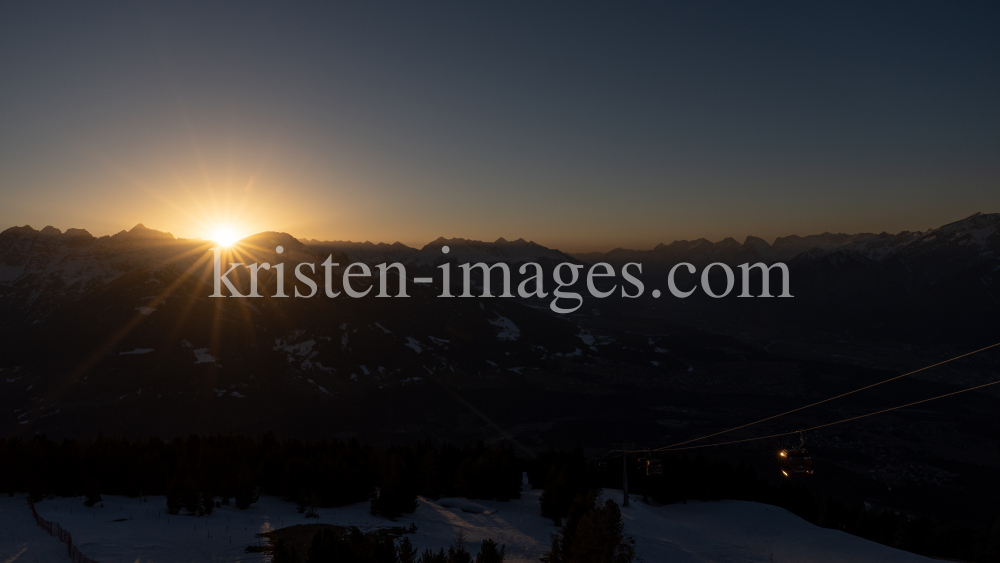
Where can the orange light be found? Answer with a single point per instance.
(224, 236)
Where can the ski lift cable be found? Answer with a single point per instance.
(830, 423)
(831, 398)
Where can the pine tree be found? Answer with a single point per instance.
(312, 507)
(192, 497)
(431, 557)
(583, 504)
(36, 492)
(284, 553)
(301, 502)
(93, 493)
(554, 555)
(397, 495)
(457, 552)
(489, 553)
(175, 498)
(407, 554)
(549, 508)
(207, 503)
(247, 492)
(993, 543)
(593, 534)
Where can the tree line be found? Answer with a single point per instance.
(198, 473)
(570, 483)
(685, 477)
(352, 545)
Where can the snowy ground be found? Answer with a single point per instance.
(727, 531)
(21, 540)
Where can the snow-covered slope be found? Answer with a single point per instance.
(21, 540)
(739, 531)
(727, 531)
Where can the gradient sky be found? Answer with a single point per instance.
(579, 126)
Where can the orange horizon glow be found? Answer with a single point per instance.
(224, 236)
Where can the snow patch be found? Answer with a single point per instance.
(414, 343)
(509, 330)
(303, 349)
(203, 357)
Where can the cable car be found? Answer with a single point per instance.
(641, 463)
(795, 462)
(654, 468)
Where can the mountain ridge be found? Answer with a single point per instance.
(782, 248)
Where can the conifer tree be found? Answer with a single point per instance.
(175, 498)
(207, 503)
(397, 495)
(548, 506)
(284, 553)
(192, 497)
(247, 492)
(431, 557)
(36, 493)
(93, 493)
(554, 555)
(593, 534)
(407, 554)
(488, 552)
(993, 542)
(457, 552)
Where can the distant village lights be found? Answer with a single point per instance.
(565, 275)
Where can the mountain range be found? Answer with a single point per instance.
(118, 334)
(124, 322)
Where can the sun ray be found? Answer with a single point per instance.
(64, 384)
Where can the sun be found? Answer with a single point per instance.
(224, 236)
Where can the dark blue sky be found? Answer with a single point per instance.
(579, 126)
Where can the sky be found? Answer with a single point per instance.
(581, 126)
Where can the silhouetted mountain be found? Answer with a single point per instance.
(702, 251)
(460, 250)
(941, 285)
(367, 252)
(126, 323)
(119, 333)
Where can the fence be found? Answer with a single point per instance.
(54, 529)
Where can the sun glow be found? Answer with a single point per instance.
(224, 236)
